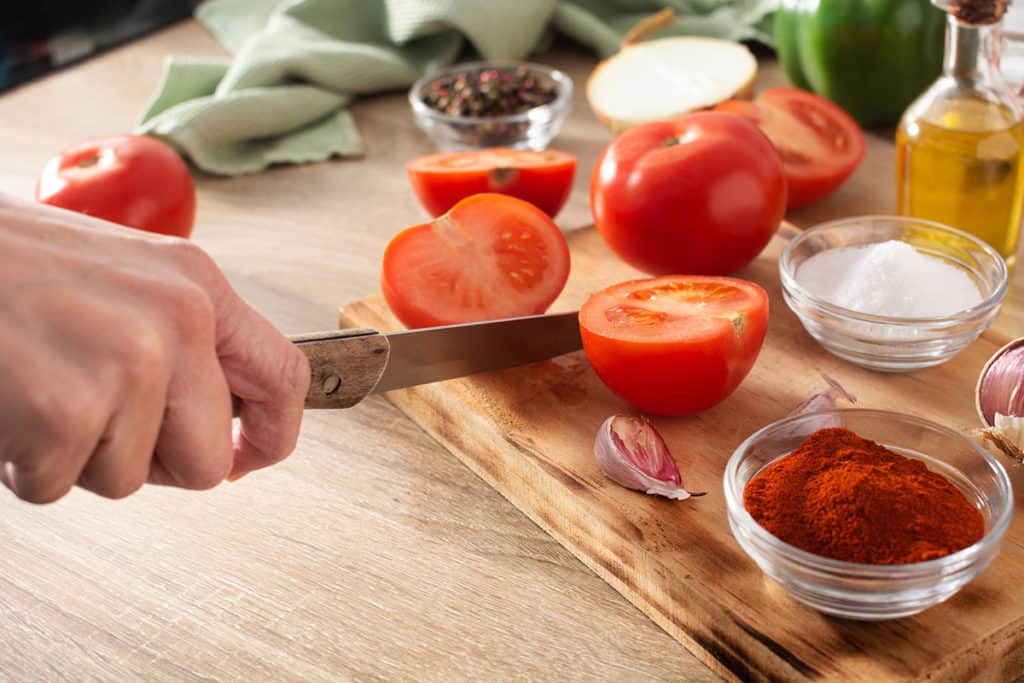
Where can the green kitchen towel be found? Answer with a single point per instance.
(298, 63)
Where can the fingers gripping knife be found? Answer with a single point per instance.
(348, 365)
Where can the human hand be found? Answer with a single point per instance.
(119, 352)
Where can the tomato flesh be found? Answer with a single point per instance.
(675, 345)
(491, 256)
(542, 178)
(820, 145)
(701, 194)
(133, 180)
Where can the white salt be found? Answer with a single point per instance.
(889, 278)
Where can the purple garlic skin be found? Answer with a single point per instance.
(825, 401)
(1001, 384)
(631, 452)
(822, 402)
(999, 398)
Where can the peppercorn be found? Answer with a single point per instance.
(490, 92)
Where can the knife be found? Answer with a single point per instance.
(348, 365)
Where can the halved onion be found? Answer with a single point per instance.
(667, 77)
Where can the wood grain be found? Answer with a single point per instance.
(371, 554)
(344, 365)
(529, 433)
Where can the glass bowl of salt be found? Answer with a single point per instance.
(892, 293)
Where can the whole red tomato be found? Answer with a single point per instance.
(701, 194)
(133, 180)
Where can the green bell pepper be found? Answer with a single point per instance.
(871, 57)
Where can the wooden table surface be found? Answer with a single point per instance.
(371, 553)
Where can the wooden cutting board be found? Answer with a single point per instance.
(529, 433)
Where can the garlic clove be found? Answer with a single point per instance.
(999, 398)
(631, 452)
(825, 400)
(821, 402)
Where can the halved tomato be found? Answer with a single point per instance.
(542, 178)
(675, 345)
(490, 257)
(819, 143)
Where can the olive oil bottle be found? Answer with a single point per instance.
(960, 145)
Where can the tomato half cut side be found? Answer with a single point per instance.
(490, 257)
(675, 345)
(542, 178)
(819, 143)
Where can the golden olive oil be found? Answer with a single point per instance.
(961, 166)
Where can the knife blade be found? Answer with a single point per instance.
(348, 365)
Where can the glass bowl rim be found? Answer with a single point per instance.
(562, 79)
(734, 505)
(791, 286)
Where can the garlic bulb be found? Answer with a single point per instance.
(999, 398)
(631, 452)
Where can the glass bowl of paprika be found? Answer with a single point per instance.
(883, 514)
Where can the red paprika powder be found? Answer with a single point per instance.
(842, 496)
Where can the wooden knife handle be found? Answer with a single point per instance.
(345, 366)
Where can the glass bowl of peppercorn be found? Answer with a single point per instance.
(867, 514)
(492, 104)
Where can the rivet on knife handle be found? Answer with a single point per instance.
(345, 365)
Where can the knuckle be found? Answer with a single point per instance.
(59, 417)
(190, 256)
(191, 310)
(141, 354)
(211, 475)
(195, 263)
(37, 485)
(116, 488)
(44, 495)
